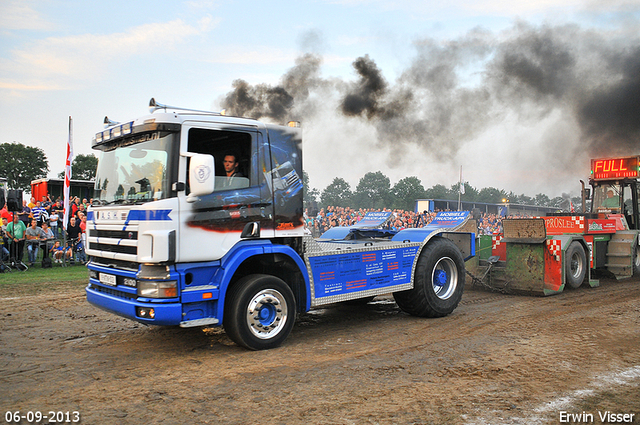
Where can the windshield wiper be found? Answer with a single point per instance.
(118, 201)
(125, 201)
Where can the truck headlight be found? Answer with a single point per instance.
(158, 289)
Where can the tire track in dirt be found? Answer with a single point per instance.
(496, 356)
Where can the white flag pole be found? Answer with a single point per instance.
(67, 184)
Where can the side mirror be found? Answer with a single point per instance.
(202, 176)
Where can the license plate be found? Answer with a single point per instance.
(108, 279)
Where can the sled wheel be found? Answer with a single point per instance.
(438, 281)
(259, 312)
(576, 266)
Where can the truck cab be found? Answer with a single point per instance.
(616, 189)
(166, 215)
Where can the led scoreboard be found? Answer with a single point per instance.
(615, 168)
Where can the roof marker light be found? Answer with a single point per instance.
(108, 123)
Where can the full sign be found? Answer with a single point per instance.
(615, 168)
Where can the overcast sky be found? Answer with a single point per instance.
(519, 93)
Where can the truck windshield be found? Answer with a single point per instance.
(607, 198)
(135, 172)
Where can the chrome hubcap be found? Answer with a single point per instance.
(267, 313)
(444, 278)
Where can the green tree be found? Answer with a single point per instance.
(470, 192)
(338, 194)
(310, 195)
(577, 203)
(406, 191)
(439, 192)
(558, 202)
(542, 200)
(20, 164)
(373, 191)
(524, 199)
(491, 195)
(83, 167)
(511, 197)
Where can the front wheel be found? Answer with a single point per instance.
(259, 312)
(576, 267)
(438, 281)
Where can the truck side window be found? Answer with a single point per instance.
(231, 151)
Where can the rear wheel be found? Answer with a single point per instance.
(260, 312)
(636, 260)
(576, 267)
(438, 281)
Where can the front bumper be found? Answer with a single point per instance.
(193, 305)
(167, 312)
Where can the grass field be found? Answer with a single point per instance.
(37, 280)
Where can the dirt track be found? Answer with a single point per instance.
(498, 359)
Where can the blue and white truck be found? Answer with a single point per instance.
(174, 241)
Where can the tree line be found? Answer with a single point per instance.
(21, 164)
(374, 190)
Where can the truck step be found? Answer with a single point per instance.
(623, 236)
(619, 247)
(619, 260)
(621, 241)
(199, 322)
(622, 266)
(622, 274)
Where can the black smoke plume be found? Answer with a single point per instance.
(455, 90)
(259, 101)
(277, 102)
(364, 96)
(610, 115)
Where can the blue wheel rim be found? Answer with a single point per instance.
(267, 313)
(444, 278)
(440, 278)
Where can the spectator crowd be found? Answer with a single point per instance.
(488, 224)
(37, 228)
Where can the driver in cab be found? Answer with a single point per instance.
(611, 201)
(230, 164)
